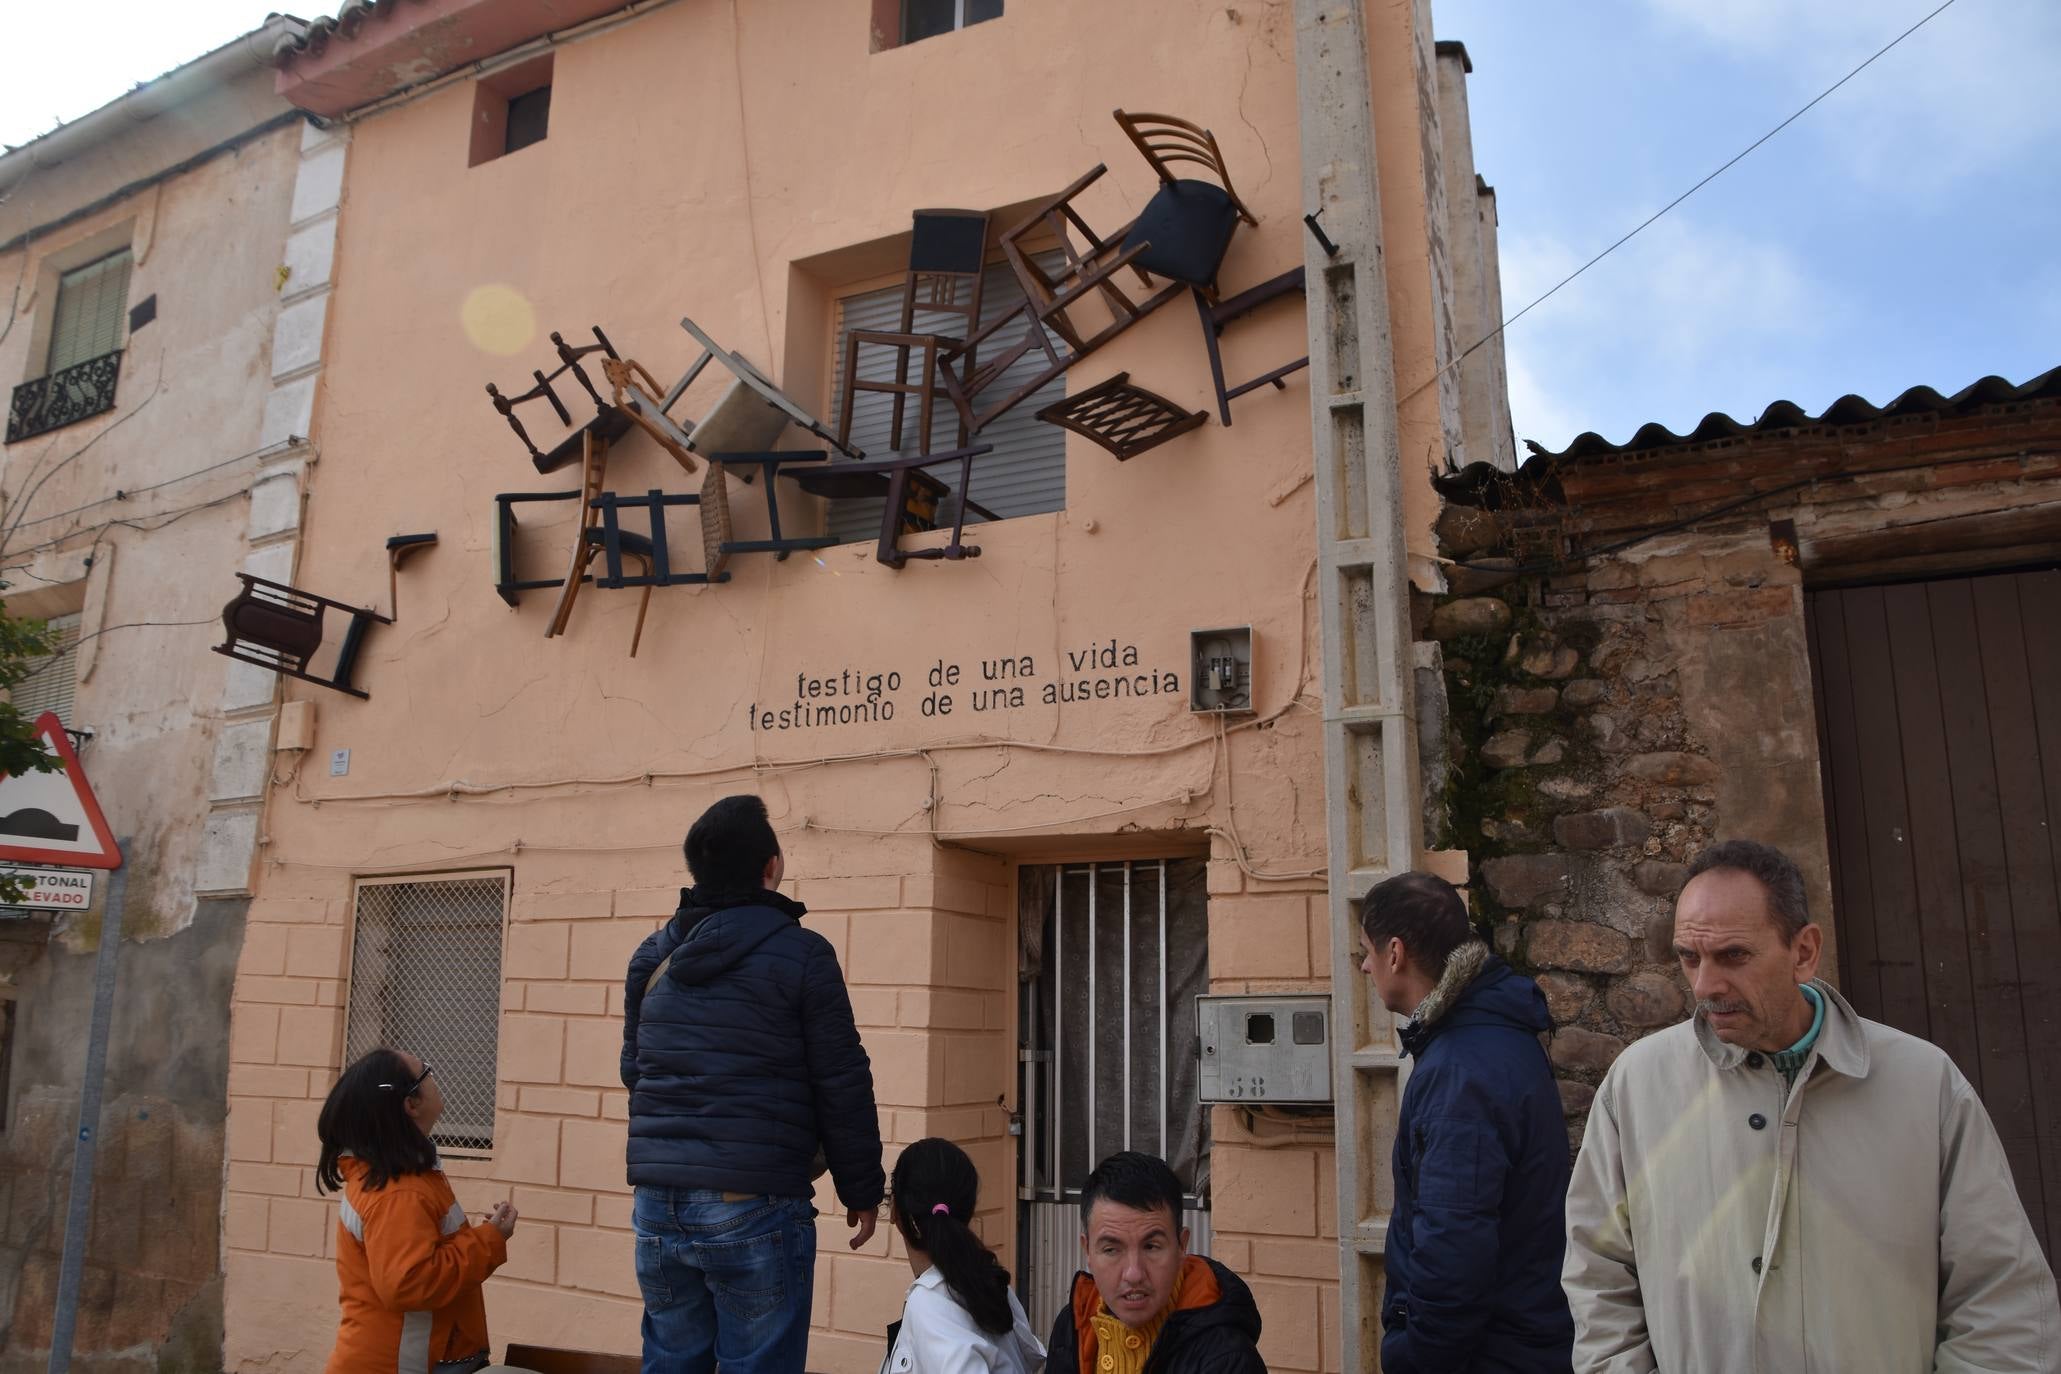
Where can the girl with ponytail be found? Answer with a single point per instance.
(960, 1316)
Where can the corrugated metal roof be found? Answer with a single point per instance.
(1477, 484)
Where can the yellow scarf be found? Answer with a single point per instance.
(1124, 1349)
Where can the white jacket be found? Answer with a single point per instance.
(1866, 1223)
(938, 1336)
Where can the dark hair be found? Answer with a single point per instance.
(931, 1174)
(1779, 876)
(366, 1116)
(1422, 910)
(729, 847)
(1135, 1180)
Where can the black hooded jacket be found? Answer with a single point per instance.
(1221, 1338)
(743, 1059)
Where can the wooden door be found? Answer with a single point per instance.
(1939, 722)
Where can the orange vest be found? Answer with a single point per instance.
(409, 1271)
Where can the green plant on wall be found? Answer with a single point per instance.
(24, 645)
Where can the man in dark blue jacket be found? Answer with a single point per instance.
(1481, 1164)
(746, 1079)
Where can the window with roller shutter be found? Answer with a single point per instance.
(90, 303)
(1026, 473)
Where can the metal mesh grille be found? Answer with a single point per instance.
(426, 978)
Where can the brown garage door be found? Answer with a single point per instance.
(1939, 717)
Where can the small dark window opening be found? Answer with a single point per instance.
(928, 18)
(529, 118)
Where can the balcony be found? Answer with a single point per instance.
(65, 397)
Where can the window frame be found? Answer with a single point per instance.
(352, 993)
(864, 529)
(55, 344)
(67, 655)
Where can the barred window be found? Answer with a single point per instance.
(50, 682)
(426, 978)
(1025, 475)
(90, 303)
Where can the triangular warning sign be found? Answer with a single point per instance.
(54, 818)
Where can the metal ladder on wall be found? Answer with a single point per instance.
(1370, 747)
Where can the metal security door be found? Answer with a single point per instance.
(1111, 959)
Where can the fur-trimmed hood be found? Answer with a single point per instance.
(1476, 989)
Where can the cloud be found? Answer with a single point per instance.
(1971, 91)
(1686, 318)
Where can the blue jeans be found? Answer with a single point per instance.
(724, 1283)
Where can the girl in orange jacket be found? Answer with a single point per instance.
(409, 1268)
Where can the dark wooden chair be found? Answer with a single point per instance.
(947, 262)
(718, 539)
(1127, 420)
(1091, 268)
(398, 549)
(1217, 315)
(915, 500)
(279, 627)
(608, 421)
(1185, 229)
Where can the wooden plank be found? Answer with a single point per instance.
(1839, 766)
(1935, 856)
(2026, 711)
(1981, 661)
(1899, 956)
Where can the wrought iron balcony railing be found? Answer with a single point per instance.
(65, 397)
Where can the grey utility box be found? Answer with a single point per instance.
(1265, 1049)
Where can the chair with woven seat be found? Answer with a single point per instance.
(947, 262)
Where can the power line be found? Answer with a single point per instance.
(1643, 224)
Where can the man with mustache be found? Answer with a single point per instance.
(1780, 1185)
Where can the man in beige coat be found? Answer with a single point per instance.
(1780, 1186)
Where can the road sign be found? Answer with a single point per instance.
(64, 889)
(53, 818)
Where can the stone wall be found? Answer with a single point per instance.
(1606, 723)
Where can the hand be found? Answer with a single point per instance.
(863, 1222)
(502, 1219)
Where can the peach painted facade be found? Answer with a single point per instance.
(747, 164)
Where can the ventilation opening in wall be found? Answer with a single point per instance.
(511, 109)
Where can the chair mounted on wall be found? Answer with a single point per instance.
(279, 627)
(718, 540)
(1127, 420)
(947, 264)
(1216, 316)
(1050, 299)
(915, 500)
(608, 421)
(1185, 229)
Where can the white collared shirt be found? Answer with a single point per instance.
(939, 1336)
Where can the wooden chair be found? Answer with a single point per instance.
(1127, 420)
(1186, 228)
(717, 538)
(1216, 316)
(915, 500)
(279, 627)
(608, 422)
(1091, 268)
(947, 262)
(593, 477)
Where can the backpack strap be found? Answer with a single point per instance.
(658, 973)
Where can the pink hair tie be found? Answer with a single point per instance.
(941, 1208)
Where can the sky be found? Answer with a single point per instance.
(1901, 233)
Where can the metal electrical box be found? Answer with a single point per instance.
(1220, 670)
(1265, 1049)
